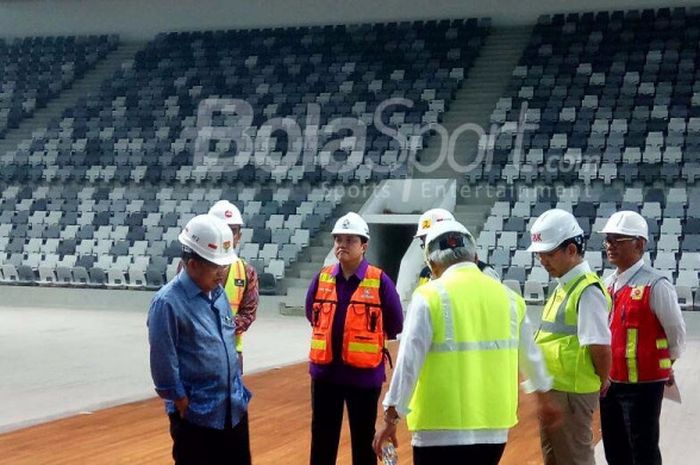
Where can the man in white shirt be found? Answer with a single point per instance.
(456, 378)
(574, 336)
(648, 335)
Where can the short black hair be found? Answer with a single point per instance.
(578, 241)
(189, 254)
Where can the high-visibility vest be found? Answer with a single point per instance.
(639, 343)
(235, 288)
(469, 379)
(363, 333)
(569, 363)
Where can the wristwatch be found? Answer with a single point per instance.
(392, 420)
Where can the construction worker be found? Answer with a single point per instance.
(429, 219)
(648, 335)
(353, 308)
(574, 337)
(242, 280)
(192, 353)
(456, 376)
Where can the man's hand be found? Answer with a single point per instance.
(548, 410)
(181, 405)
(386, 432)
(604, 386)
(671, 379)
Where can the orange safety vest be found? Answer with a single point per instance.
(236, 282)
(363, 333)
(639, 344)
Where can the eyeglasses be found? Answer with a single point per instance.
(609, 241)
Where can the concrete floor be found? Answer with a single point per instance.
(64, 352)
(58, 357)
(680, 423)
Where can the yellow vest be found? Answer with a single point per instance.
(567, 361)
(235, 287)
(470, 376)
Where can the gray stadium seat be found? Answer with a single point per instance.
(534, 292)
(513, 285)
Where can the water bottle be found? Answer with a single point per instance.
(389, 454)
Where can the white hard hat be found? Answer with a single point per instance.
(444, 227)
(228, 212)
(210, 238)
(627, 223)
(351, 223)
(551, 229)
(430, 218)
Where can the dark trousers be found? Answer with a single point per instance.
(475, 454)
(197, 445)
(629, 417)
(327, 402)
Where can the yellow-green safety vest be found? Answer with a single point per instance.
(567, 361)
(235, 287)
(470, 376)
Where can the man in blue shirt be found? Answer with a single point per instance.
(194, 363)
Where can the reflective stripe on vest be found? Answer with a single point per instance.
(561, 297)
(363, 332)
(569, 363)
(450, 345)
(639, 344)
(631, 355)
(469, 379)
(236, 282)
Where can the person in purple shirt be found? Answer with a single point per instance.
(336, 380)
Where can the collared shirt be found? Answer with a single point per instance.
(663, 302)
(191, 335)
(337, 372)
(592, 312)
(415, 344)
(248, 308)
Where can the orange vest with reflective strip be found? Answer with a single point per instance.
(363, 333)
(639, 344)
(235, 287)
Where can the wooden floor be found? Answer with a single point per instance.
(279, 427)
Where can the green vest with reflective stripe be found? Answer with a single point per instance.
(469, 379)
(567, 361)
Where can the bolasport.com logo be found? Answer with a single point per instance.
(227, 136)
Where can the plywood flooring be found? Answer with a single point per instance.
(137, 433)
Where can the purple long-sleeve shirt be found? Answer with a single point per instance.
(337, 372)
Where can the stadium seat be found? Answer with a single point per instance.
(534, 292)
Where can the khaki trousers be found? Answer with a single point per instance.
(572, 442)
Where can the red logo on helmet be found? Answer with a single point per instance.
(212, 246)
(537, 237)
(228, 213)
